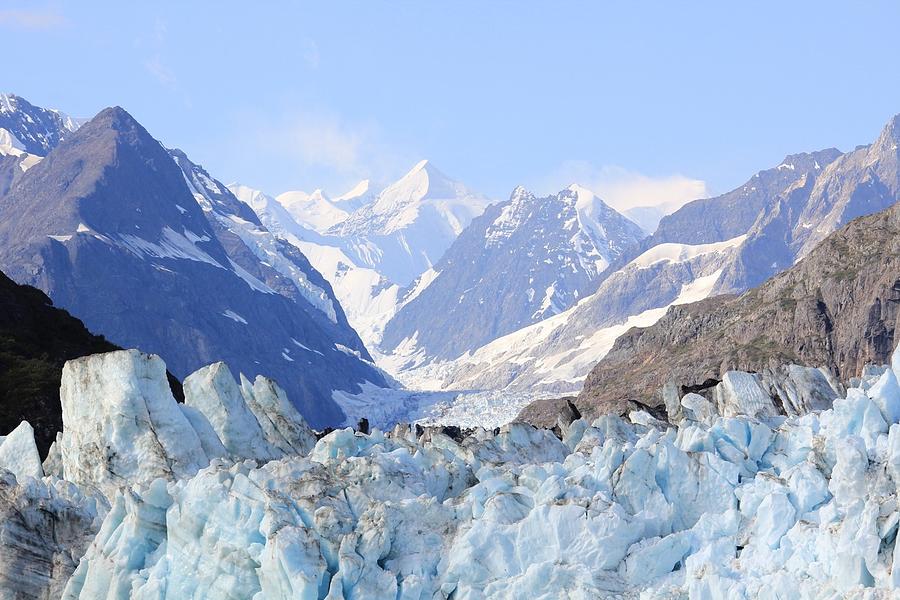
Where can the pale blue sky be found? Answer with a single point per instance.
(667, 95)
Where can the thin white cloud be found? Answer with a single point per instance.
(624, 189)
(321, 147)
(31, 19)
(153, 43)
(163, 74)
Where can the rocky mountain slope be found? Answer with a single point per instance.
(857, 183)
(838, 307)
(732, 214)
(524, 260)
(147, 249)
(30, 128)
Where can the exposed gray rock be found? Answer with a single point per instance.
(734, 213)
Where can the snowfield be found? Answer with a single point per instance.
(230, 496)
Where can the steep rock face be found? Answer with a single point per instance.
(146, 248)
(855, 184)
(836, 308)
(523, 261)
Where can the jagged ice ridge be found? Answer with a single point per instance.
(709, 506)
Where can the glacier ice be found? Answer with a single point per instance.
(19, 454)
(214, 392)
(45, 527)
(121, 423)
(721, 505)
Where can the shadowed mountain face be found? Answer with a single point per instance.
(36, 339)
(838, 307)
(148, 250)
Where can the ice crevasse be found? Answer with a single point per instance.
(708, 507)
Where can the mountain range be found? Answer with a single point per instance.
(149, 250)
(446, 289)
(725, 244)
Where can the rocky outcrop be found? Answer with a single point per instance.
(837, 308)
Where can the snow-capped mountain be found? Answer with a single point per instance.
(724, 244)
(30, 128)
(149, 250)
(314, 210)
(361, 194)
(409, 226)
(27, 133)
(389, 241)
(555, 355)
(524, 260)
(368, 298)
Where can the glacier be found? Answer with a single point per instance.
(232, 495)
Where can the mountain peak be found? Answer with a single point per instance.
(36, 130)
(116, 116)
(519, 192)
(891, 133)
